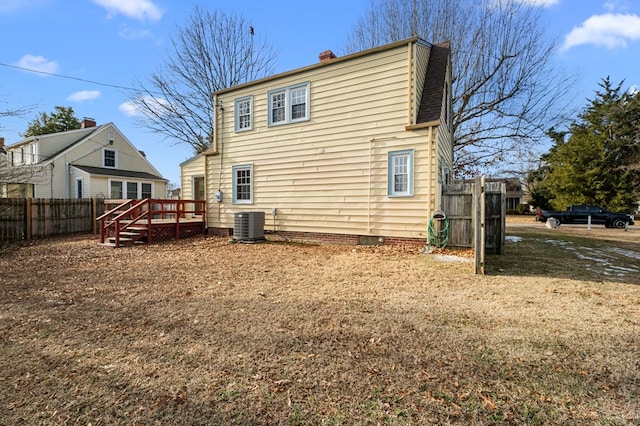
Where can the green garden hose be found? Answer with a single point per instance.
(438, 232)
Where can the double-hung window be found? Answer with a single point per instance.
(132, 190)
(146, 190)
(244, 114)
(109, 158)
(115, 189)
(400, 173)
(243, 184)
(289, 104)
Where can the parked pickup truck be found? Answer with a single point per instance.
(580, 215)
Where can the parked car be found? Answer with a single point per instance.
(581, 214)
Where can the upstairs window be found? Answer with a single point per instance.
(400, 173)
(32, 154)
(244, 114)
(109, 158)
(289, 105)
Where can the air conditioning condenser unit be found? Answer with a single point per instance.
(248, 226)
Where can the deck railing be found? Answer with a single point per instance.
(128, 213)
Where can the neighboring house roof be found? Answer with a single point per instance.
(189, 160)
(71, 138)
(117, 172)
(431, 101)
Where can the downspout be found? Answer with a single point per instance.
(369, 195)
(431, 177)
(51, 178)
(219, 148)
(371, 141)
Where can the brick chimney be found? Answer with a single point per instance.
(327, 55)
(1, 142)
(87, 122)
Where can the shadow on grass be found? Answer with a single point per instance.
(573, 254)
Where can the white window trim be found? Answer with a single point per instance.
(125, 184)
(122, 189)
(32, 153)
(237, 115)
(234, 169)
(140, 186)
(138, 189)
(116, 158)
(81, 181)
(390, 187)
(287, 104)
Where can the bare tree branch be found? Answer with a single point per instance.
(212, 51)
(506, 91)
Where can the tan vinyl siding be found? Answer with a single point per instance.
(54, 143)
(188, 170)
(325, 174)
(421, 60)
(90, 153)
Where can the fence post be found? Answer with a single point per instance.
(94, 213)
(27, 217)
(479, 221)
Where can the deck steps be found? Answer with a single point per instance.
(146, 221)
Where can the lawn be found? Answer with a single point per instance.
(202, 331)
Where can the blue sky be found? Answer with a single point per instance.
(114, 42)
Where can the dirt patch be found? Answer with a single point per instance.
(202, 331)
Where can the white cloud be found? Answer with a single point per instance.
(84, 95)
(534, 3)
(13, 6)
(542, 3)
(130, 108)
(608, 30)
(135, 9)
(38, 64)
(129, 34)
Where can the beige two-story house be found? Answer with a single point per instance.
(351, 149)
(93, 161)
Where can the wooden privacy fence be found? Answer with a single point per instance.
(27, 218)
(476, 212)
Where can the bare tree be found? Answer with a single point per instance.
(212, 51)
(506, 91)
(12, 178)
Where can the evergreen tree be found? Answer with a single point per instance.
(61, 120)
(598, 162)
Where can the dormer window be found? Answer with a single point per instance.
(109, 158)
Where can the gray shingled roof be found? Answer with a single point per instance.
(115, 172)
(431, 102)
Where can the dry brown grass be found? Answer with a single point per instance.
(204, 332)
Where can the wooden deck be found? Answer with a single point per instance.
(151, 220)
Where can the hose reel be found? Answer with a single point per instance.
(438, 230)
